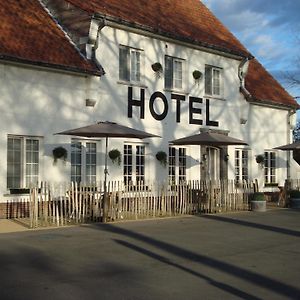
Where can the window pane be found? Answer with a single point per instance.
(124, 73)
(182, 164)
(168, 72)
(127, 158)
(90, 169)
(208, 80)
(32, 162)
(178, 74)
(216, 82)
(140, 163)
(135, 65)
(76, 152)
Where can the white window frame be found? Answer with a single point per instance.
(242, 164)
(85, 177)
(133, 63)
(177, 164)
(24, 161)
(211, 80)
(173, 75)
(137, 163)
(270, 171)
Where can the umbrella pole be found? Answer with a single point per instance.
(105, 208)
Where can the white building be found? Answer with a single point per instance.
(70, 63)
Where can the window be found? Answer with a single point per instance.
(241, 164)
(270, 167)
(213, 81)
(134, 163)
(173, 73)
(129, 64)
(177, 164)
(83, 162)
(22, 162)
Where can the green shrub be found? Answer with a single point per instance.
(294, 194)
(258, 196)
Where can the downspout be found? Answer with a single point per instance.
(288, 141)
(242, 76)
(93, 42)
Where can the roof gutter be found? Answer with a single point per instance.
(162, 35)
(43, 65)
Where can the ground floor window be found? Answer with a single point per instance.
(270, 167)
(22, 161)
(177, 164)
(133, 163)
(241, 164)
(84, 162)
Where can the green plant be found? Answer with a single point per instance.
(260, 159)
(258, 196)
(59, 152)
(157, 67)
(294, 194)
(161, 156)
(197, 75)
(115, 156)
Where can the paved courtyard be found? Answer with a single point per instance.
(229, 256)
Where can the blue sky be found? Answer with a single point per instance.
(270, 30)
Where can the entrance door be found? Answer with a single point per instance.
(212, 163)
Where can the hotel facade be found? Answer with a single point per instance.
(172, 70)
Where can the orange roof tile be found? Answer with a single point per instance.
(28, 34)
(189, 20)
(193, 21)
(264, 88)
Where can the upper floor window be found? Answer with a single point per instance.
(22, 161)
(213, 81)
(130, 64)
(270, 167)
(173, 73)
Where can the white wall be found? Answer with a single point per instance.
(40, 103)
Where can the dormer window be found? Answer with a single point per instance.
(213, 81)
(130, 64)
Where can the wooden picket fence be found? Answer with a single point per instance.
(72, 203)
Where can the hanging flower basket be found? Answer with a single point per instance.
(157, 68)
(161, 156)
(197, 75)
(59, 153)
(260, 159)
(115, 156)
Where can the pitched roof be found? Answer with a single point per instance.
(264, 88)
(28, 34)
(191, 20)
(188, 20)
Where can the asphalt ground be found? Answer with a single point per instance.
(227, 256)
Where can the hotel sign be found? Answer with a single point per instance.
(195, 113)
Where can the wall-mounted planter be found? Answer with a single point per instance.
(161, 156)
(197, 75)
(260, 159)
(157, 68)
(59, 153)
(115, 156)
